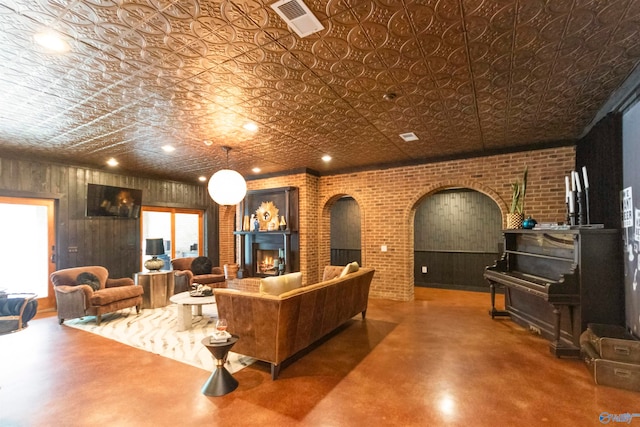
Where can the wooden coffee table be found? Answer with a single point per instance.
(186, 305)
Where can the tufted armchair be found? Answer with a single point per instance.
(78, 299)
(196, 270)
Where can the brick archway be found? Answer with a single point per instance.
(437, 187)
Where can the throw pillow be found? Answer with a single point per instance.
(277, 285)
(350, 268)
(201, 265)
(90, 279)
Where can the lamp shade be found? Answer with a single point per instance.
(154, 247)
(227, 187)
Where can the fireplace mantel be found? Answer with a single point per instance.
(250, 242)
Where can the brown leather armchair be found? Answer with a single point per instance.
(76, 299)
(187, 273)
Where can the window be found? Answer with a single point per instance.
(181, 230)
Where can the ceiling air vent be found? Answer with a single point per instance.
(409, 136)
(298, 16)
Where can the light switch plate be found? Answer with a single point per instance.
(383, 248)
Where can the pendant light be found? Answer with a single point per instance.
(227, 187)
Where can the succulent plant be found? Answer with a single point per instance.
(518, 191)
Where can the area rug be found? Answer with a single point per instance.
(155, 330)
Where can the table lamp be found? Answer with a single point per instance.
(154, 247)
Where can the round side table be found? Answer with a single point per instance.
(221, 381)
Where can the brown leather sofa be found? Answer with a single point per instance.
(274, 328)
(185, 277)
(79, 300)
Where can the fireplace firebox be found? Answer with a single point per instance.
(269, 262)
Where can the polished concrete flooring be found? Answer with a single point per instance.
(439, 360)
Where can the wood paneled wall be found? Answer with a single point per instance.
(601, 152)
(345, 232)
(457, 233)
(110, 242)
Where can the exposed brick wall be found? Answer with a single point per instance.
(227, 215)
(388, 198)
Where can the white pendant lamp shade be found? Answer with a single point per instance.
(227, 187)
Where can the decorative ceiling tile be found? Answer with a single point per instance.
(466, 77)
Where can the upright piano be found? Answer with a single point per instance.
(557, 281)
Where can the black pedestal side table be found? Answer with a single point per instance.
(221, 381)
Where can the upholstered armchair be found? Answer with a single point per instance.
(88, 291)
(16, 310)
(196, 270)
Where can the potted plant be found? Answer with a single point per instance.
(515, 217)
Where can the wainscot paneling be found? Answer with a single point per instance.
(453, 270)
(111, 242)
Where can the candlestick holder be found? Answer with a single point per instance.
(580, 209)
(586, 196)
(572, 218)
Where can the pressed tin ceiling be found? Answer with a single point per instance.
(469, 77)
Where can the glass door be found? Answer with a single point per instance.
(28, 224)
(181, 230)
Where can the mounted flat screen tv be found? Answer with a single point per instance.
(119, 202)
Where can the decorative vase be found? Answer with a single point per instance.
(153, 264)
(529, 223)
(514, 221)
(283, 223)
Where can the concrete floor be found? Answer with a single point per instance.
(439, 360)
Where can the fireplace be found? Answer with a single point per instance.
(269, 252)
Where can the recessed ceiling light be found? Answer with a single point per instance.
(326, 158)
(389, 96)
(409, 136)
(208, 142)
(250, 126)
(168, 148)
(256, 170)
(51, 41)
(202, 178)
(112, 162)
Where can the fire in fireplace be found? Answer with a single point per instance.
(267, 262)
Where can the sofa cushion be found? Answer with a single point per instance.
(86, 278)
(277, 285)
(352, 267)
(201, 265)
(331, 272)
(110, 295)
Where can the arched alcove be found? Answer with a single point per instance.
(457, 233)
(345, 232)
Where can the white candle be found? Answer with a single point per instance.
(577, 178)
(572, 207)
(573, 182)
(584, 176)
(567, 190)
